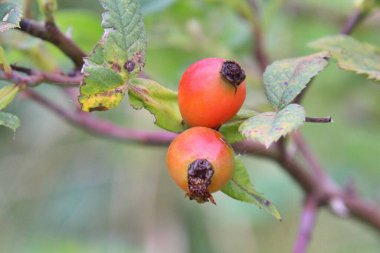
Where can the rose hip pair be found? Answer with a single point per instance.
(211, 92)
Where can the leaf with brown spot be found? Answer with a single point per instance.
(123, 40)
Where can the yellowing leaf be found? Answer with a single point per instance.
(7, 94)
(118, 56)
(3, 61)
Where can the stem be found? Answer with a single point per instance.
(33, 77)
(352, 22)
(319, 120)
(52, 34)
(306, 226)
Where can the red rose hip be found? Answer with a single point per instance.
(211, 92)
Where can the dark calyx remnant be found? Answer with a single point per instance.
(129, 66)
(233, 73)
(199, 177)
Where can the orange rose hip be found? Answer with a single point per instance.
(211, 92)
(200, 162)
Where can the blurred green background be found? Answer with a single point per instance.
(65, 191)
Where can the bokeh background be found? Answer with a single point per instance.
(65, 191)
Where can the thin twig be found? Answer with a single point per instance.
(319, 120)
(50, 32)
(352, 22)
(32, 77)
(306, 226)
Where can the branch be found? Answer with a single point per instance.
(101, 127)
(31, 77)
(319, 120)
(306, 225)
(52, 34)
(352, 22)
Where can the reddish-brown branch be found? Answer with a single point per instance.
(352, 22)
(50, 32)
(101, 127)
(31, 77)
(318, 120)
(306, 226)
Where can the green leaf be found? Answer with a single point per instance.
(241, 188)
(160, 101)
(230, 130)
(10, 15)
(352, 55)
(9, 120)
(285, 79)
(268, 127)
(3, 61)
(117, 57)
(7, 94)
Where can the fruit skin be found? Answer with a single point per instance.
(200, 143)
(207, 99)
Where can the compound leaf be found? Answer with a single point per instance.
(268, 127)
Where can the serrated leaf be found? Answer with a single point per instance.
(7, 94)
(103, 90)
(352, 55)
(241, 188)
(230, 130)
(268, 127)
(9, 120)
(120, 55)
(10, 15)
(285, 79)
(160, 101)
